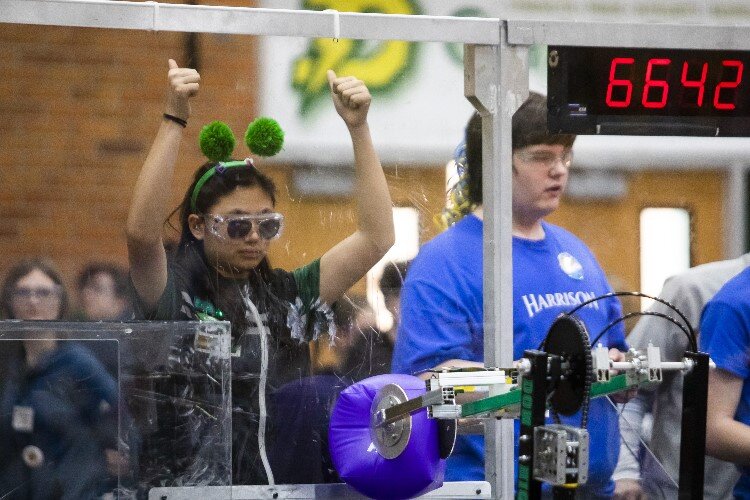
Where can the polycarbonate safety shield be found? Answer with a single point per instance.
(112, 410)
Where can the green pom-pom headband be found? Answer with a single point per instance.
(264, 137)
(217, 141)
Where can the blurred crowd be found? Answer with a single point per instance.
(34, 289)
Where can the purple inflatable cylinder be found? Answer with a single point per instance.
(415, 471)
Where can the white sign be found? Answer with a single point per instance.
(418, 113)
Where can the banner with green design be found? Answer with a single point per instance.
(418, 112)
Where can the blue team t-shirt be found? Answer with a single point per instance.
(725, 336)
(442, 319)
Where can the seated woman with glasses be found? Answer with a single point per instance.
(58, 404)
(220, 269)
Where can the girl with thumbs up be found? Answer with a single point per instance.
(220, 269)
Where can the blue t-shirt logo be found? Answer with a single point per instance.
(570, 265)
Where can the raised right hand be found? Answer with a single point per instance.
(183, 84)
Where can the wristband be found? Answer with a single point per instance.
(176, 119)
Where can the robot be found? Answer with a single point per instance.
(410, 426)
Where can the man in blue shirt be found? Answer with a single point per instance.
(553, 271)
(655, 474)
(725, 336)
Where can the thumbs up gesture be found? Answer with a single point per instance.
(350, 97)
(183, 84)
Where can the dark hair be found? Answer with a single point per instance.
(23, 269)
(474, 158)
(529, 129)
(530, 125)
(118, 274)
(393, 277)
(190, 255)
(218, 185)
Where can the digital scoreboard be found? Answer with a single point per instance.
(603, 90)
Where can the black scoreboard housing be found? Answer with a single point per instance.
(637, 91)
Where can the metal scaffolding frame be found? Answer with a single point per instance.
(496, 82)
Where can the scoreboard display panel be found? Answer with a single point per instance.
(635, 91)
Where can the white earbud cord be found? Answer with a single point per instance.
(261, 385)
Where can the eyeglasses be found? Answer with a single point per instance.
(268, 225)
(41, 294)
(545, 158)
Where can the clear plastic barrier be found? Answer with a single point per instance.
(89, 410)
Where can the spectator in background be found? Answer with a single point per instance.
(102, 289)
(34, 290)
(725, 336)
(103, 293)
(391, 281)
(640, 475)
(58, 405)
(361, 349)
(370, 349)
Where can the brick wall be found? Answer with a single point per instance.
(78, 110)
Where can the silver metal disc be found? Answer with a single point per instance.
(390, 440)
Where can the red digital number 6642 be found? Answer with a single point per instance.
(656, 91)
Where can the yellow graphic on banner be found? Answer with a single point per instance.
(381, 65)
